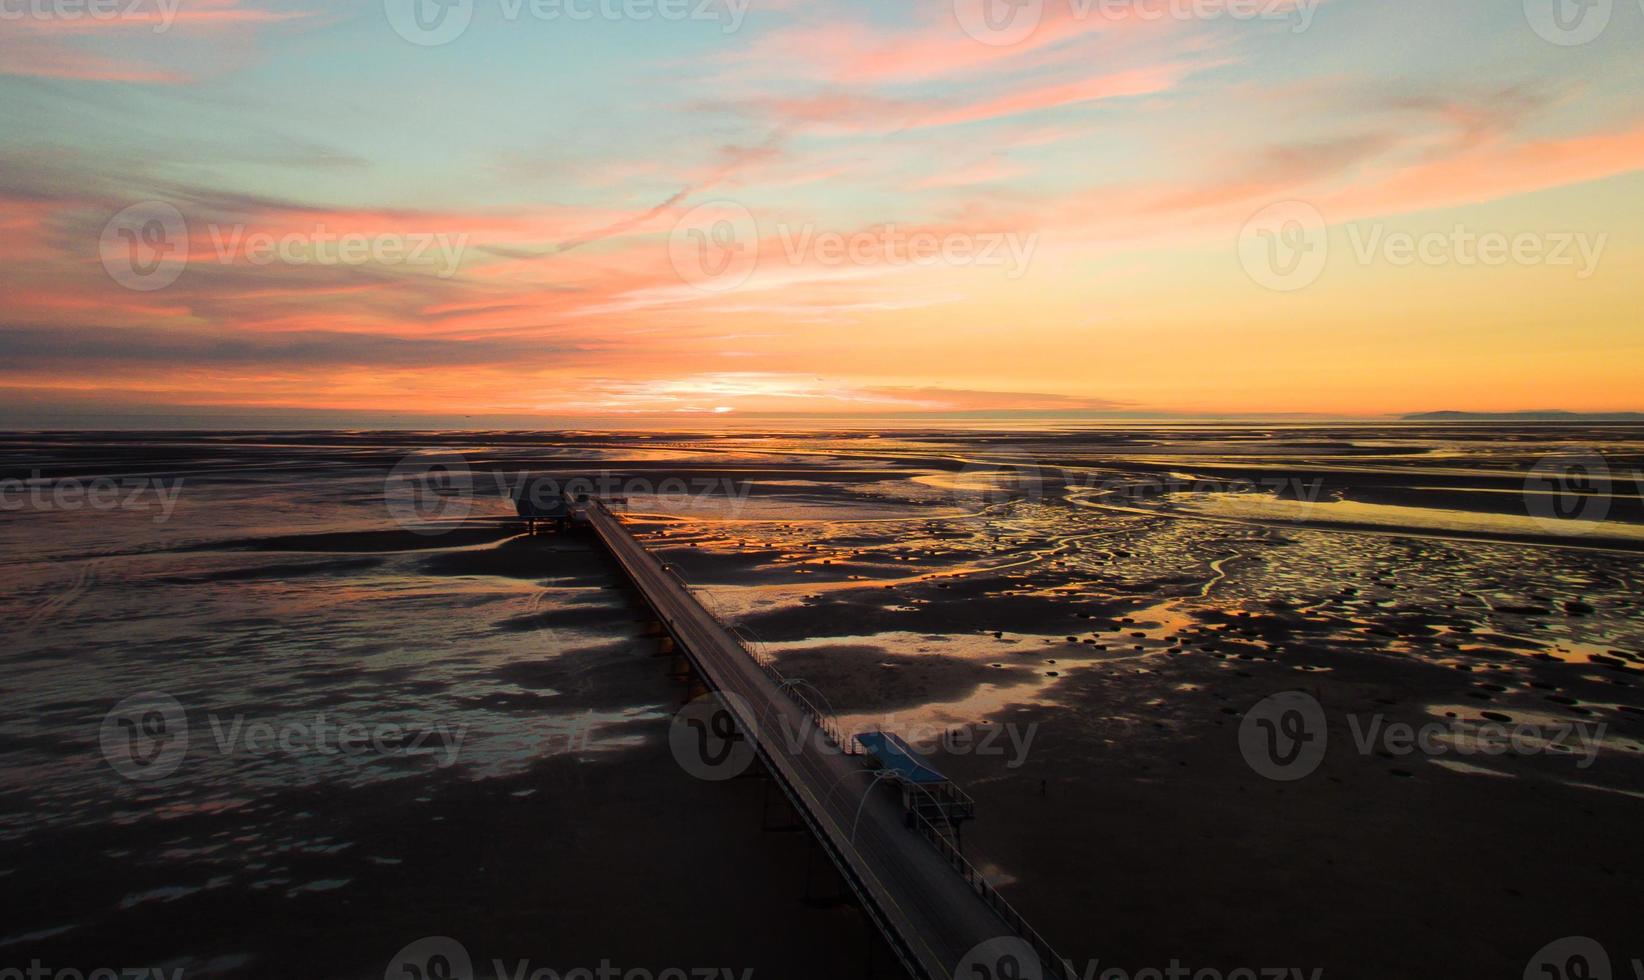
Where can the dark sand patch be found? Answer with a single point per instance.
(1219, 867)
(860, 677)
(570, 556)
(951, 610)
(570, 616)
(572, 863)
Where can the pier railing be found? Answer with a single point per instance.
(790, 686)
(823, 720)
(1053, 966)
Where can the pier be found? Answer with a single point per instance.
(898, 853)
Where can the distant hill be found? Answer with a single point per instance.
(1551, 415)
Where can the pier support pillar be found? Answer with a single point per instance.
(680, 669)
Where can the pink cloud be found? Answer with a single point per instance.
(40, 58)
(47, 47)
(856, 111)
(935, 47)
(1346, 180)
(1143, 81)
(198, 15)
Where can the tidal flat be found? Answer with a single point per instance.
(1082, 626)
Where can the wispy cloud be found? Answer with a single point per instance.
(1127, 148)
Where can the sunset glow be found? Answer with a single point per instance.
(818, 208)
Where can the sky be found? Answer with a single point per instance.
(535, 208)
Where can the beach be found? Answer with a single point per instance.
(1082, 625)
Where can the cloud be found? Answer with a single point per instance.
(29, 348)
(1097, 134)
(858, 111)
(129, 42)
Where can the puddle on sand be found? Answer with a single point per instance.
(1267, 507)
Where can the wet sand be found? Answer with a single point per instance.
(627, 860)
(917, 584)
(1134, 833)
(610, 855)
(1139, 834)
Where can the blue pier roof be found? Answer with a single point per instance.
(896, 755)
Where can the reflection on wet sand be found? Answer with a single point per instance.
(1125, 593)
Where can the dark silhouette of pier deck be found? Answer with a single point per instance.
(933, 908)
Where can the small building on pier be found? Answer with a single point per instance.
(927, 795)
